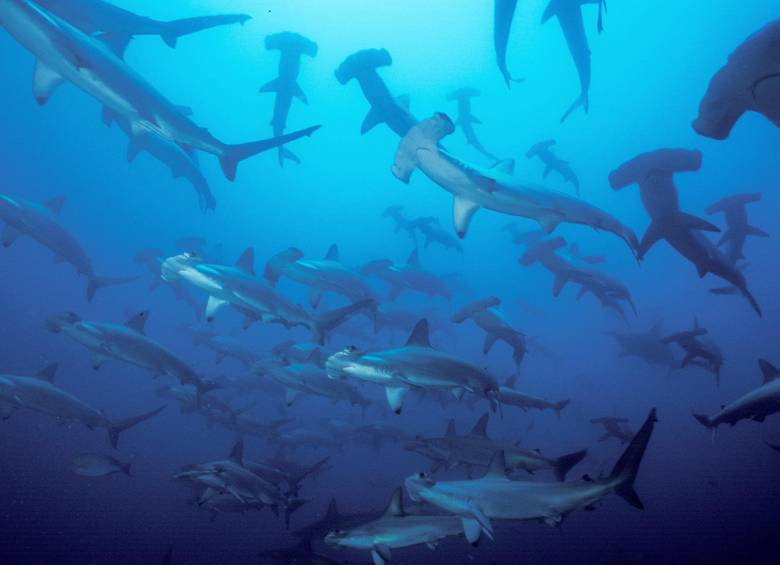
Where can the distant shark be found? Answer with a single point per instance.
(646, 346)
(41, 223)
(66, 54)
(749, 82)
(569, 14)
(503, 14)
(737, 226)
(291, 47)
(96, 16)
(553, 163)
(409, 276)
(433, 232)
(494, 325)
(385, 109)
(466, 119)
(38, 393)
(496, 188)
(654, 173)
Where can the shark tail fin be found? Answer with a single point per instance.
(287, 155)
(173, 30)
(750, 298)
(233, 154)
(292, 505)
(117, 428)
(97, 282)
(625, 470)
(581, 101)
(564, 463)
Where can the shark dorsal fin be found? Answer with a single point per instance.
(237, 453)
(333, 510)
(414, 258)
(506, 166)
(48, 372)
(396, 506)
(138, 321)
(480, 428)
(55, 204)
(497, 467)
(333, 253)
(769, 371)
(247, 261)
(420, 335)
(451, 429)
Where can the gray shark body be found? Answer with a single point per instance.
(308, 379)
(553, 163)
(569, 15)
(128, 343)
(40, 394)
(323, 275)
(654, 173)
(97, 465)
(494, 496)
(503, 14)
(476, 449)
(395, 529)
(291, 47)
(385, 109)
(755, 405)
(66, 54)
(94, 16)
(409, 276)
(414, 366)
(646, 346)
(40, 222)
(737, 226)
(466, 119)
(494, 325)
(749, 82)
(495, 189)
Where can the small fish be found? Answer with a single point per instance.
(98, 465)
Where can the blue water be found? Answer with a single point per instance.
(704, 501)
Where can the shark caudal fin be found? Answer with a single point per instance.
(328, 321)
(173, 30)
(233, 154)
(580, 102)
(116, 428)
(97, 282)
(625, 470)
(564, 463)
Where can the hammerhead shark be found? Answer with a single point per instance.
(496, 328)
(94, 64)
(749, 82)
(466, 119)
(394, 112)
(654, 173)
(569, 13)
(553, 163)
(409, 276)
(503, 14)
(737, 226)
(98, 16)
(291, 47)
(41, 223)
(474, 187)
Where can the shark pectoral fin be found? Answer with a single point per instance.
(290, 395)
(752, 230)
(18, 400)
(553, 520)
(10, 234)
(482, 519)
(45, 82)
(299, 94)
(691, 222)
(97, 360)
(432, 545)
(652, 235)
(372, 119)
(384, 551)
(462, 212)
(377, 557)
(558, 285)
(458, 392)
(472, 530)
(549, 221)
(271, 86)
(315, 296)
(395, 397)
(213, 306)
(490, 340)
